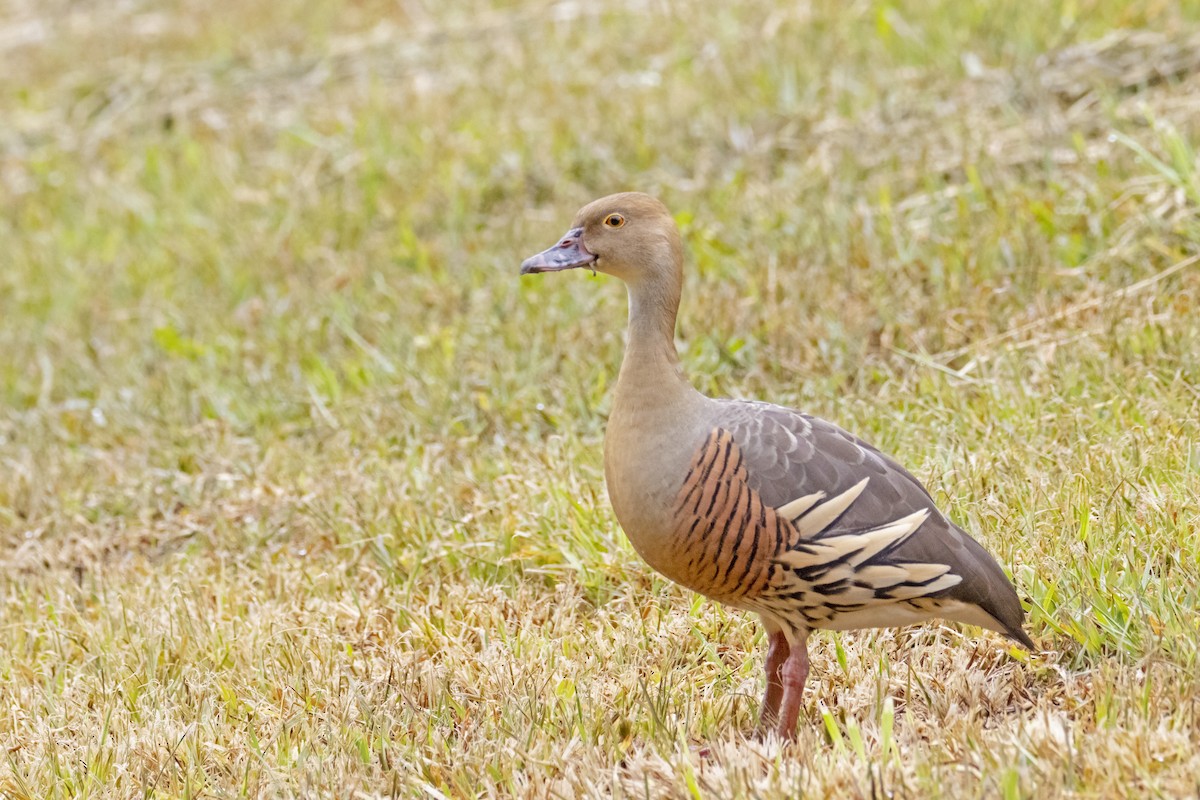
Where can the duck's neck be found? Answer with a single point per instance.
(652, 430)
(652, 384)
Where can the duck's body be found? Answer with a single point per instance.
(759, 506)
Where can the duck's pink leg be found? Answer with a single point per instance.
(794, 673)
(777, 653)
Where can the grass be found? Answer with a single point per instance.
(301, 487)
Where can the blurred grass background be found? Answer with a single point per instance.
(300, 486)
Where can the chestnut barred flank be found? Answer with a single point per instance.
(792, 563)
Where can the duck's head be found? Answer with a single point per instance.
(631, 236)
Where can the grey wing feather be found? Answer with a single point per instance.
(789, 454)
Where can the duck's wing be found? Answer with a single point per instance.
(864, 520)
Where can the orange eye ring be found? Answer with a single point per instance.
(614, 221)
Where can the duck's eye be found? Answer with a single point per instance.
(614, 220)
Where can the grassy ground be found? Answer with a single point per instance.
(300, 486)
